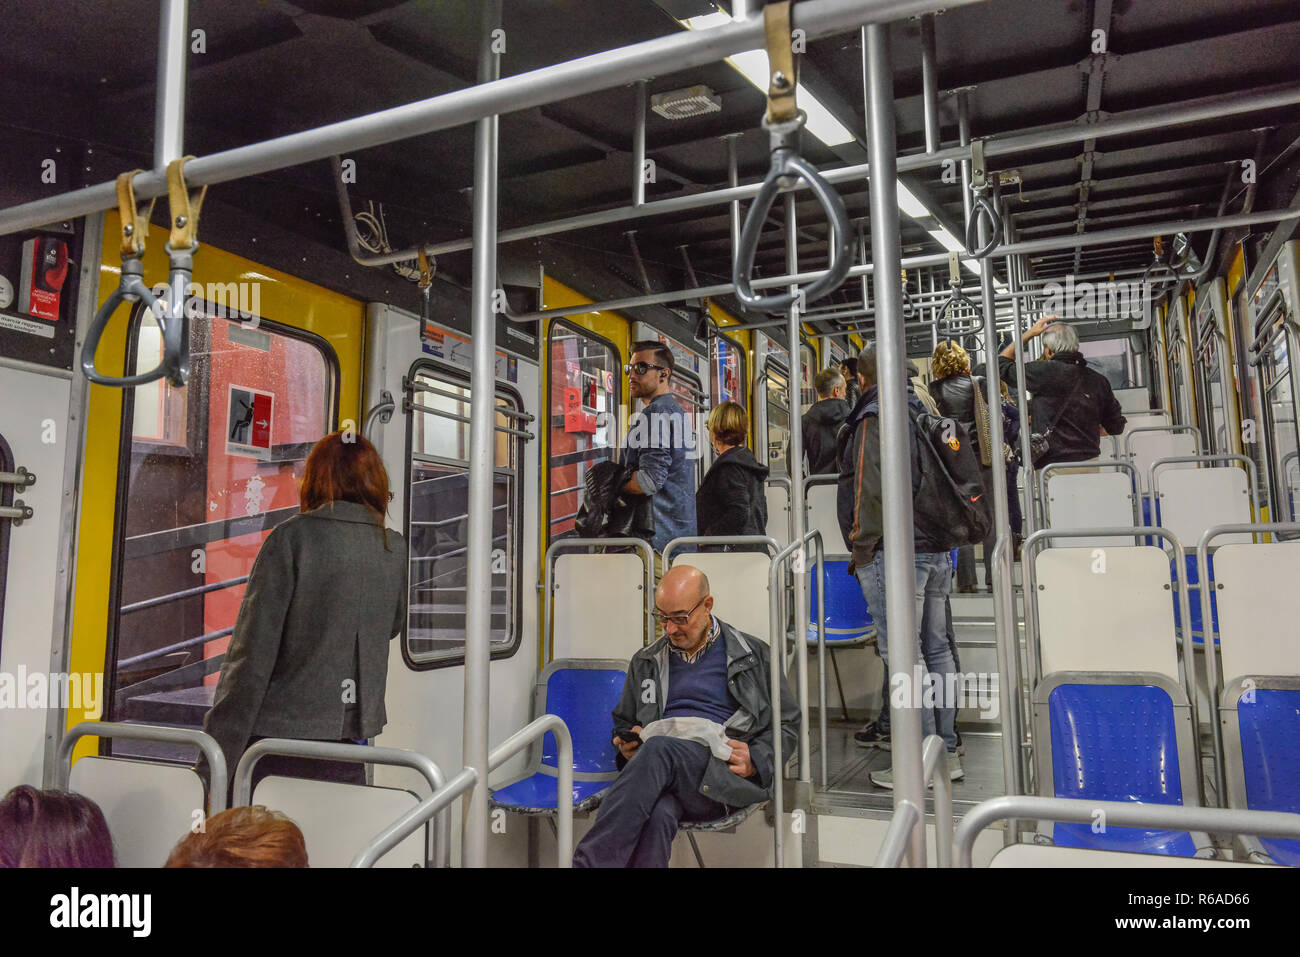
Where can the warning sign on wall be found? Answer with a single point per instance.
(248, 422)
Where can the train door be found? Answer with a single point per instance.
(1275, 339)
(1181, 384)
(772, 405)
(184, 484)
(8, 514)
(1216, 382)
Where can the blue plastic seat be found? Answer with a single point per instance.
(1194, 599)
(583, 694)
(848, 621)
(1270, 728)
(1116, 743)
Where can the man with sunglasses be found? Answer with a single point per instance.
(657, 444)
(702, 668)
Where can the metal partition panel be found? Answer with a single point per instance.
(822, 513)
(1194, 500)
(1255, 587)
(337, 820)
(599, 602)
(148, 806)
(1095, 500)
(1143, 446)
(1106, 609)
(778, 510)
(737, 581)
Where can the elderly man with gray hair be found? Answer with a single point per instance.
(1073, 405)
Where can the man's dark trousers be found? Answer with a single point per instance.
(638, 819)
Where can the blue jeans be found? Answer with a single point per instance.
(933, 583)
(657, 789)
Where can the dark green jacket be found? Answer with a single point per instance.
(749, 681)
(324, 598)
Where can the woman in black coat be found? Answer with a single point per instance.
(732, 498)
(953, 389)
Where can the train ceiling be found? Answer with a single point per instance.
(272, 67)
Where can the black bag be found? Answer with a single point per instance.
(949, 504)
(609, 512)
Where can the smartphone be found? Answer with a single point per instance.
(628, 737)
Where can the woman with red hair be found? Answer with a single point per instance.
(242, 837)
(309, 654)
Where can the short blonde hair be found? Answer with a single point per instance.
(949, 359)
(729, 424)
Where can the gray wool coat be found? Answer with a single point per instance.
(323, 601)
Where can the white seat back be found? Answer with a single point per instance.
(337, 820)
(1193, 500)
(1146, 447)
(1257, 631)
(778, 513)
(738, 583)
(1135, 401)
(1106, 609)
(599, 609)
(148, 807)
(1089, 500)
(823, 515)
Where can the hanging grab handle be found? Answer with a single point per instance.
(170, 313)
(983, 206)
(958, 298)
(783, 122)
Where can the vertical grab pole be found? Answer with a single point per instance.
(733, 180)
(638, 148)
(1022, 404)
(929, 83)
(799, 526)
(777, 625)
(963, 137)
(895, 464)
(478, 606)
(1004, 599)
(169, 108)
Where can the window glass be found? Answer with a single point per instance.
(211, 469)
(727, 372)
(437, 520)
(583, 414)
(778, 418)
(1114, 358)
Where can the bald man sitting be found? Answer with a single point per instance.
(701, 694)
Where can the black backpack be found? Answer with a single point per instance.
(950, 504)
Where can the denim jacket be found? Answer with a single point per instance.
(662, 449)
(749, 682)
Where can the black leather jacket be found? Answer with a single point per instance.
(955, 397)
(1076, 436)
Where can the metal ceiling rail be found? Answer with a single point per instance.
(1067, 241)
(572, 78)
(1174, 115)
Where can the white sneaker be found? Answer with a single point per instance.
(885, 779)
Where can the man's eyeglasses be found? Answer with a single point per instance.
(641, 368)
(678, 620)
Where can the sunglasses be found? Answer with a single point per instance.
(678, 620)
(641, 368)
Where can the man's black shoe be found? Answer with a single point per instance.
(872, 737)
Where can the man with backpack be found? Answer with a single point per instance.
(948, 509)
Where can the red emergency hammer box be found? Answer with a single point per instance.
(45, 270)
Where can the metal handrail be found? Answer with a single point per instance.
(1128, 436)
(178, 646)
(414, 819)
(1207, 457)
(353, 754)
(147, 732)
(568, 544)
(410, 406)
(508, 411)
(682, 540)
(563, 778)
(1173, 817)
(1050, 467)
(934, 768)
(21, 478)
(776, 658)
(178, 595)
(1207, 623)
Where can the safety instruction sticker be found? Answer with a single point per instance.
(248, 422)
(26, 325)
(455, 349)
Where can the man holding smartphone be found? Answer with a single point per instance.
(701, 672)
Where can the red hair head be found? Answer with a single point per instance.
(52, 829)
(242, 837)
(344, 467)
